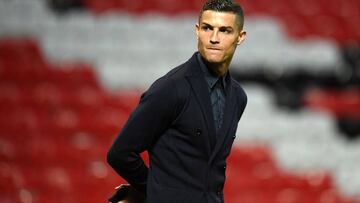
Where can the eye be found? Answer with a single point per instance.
(205, 28)
(225, 30)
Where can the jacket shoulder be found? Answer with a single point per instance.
(241, 97)
(240, 91)
(173, 86)
(178, 77)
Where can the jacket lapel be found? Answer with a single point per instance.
(197, 81)
(203, 97)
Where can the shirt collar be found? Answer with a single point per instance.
(210, 77)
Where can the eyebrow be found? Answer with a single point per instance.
(222, 27)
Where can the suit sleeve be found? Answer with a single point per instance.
(149, 120)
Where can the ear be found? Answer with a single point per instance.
(197, 28)
(241, 37)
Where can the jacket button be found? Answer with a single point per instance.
(234, 136)
(224, 166)
(198, 131)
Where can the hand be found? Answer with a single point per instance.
(133, 196)
(128, 194)
(124, 201)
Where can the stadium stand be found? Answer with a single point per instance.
(66, 89)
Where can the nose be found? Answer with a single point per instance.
(214, 38)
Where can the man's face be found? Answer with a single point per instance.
(218, 36)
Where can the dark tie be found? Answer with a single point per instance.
(218, 103)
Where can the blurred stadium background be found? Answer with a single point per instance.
(71, 71)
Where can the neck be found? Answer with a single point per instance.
(220, 69)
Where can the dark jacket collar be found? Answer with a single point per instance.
(210, 77)
(194, 68)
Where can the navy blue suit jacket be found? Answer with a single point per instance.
(174, 122)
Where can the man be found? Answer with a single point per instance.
(187, 119)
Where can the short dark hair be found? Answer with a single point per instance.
(225, 6)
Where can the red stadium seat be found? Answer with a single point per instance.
(340, 103)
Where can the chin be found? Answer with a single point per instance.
(214, 61)
(212, 58)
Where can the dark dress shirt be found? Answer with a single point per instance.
(216, 85)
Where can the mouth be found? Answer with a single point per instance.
(213, 49)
